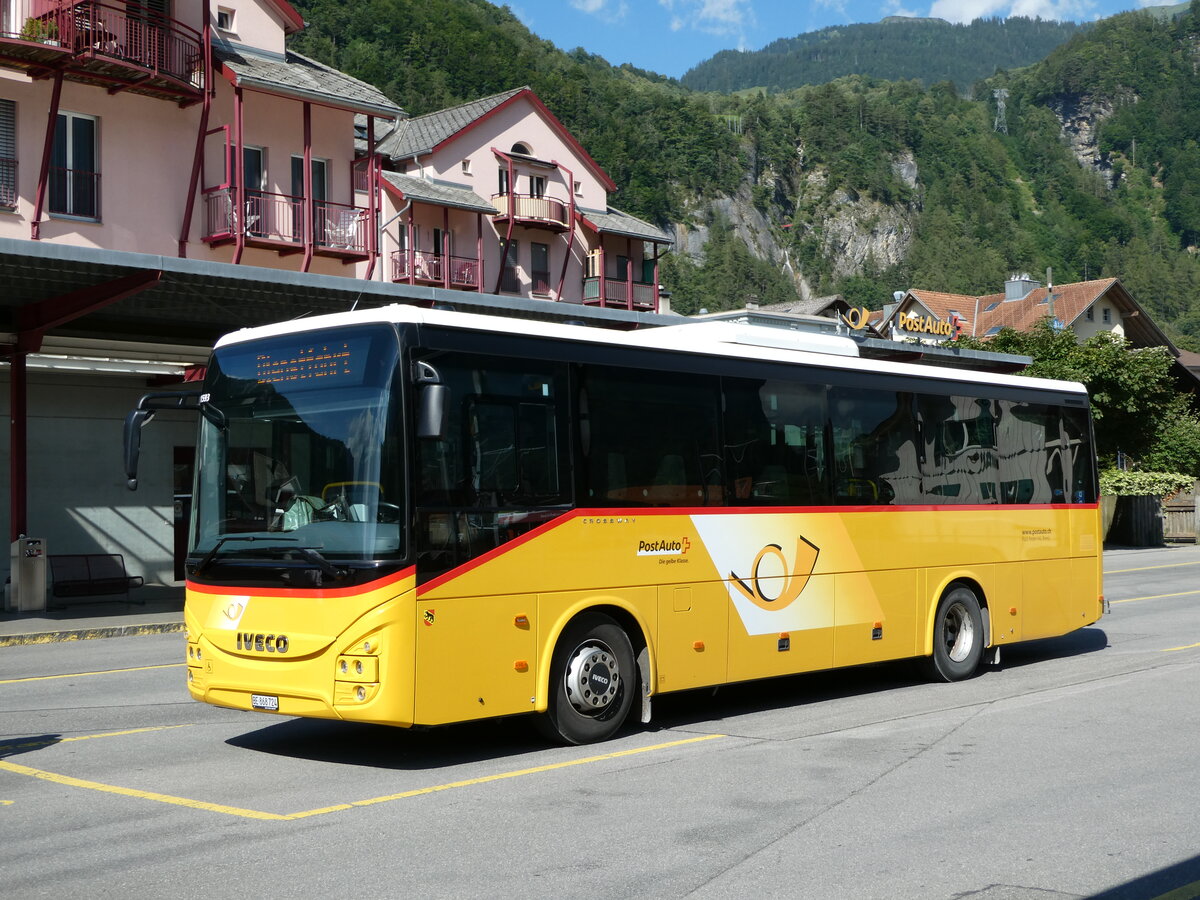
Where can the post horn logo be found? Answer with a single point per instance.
(857, 319)
(772, 591)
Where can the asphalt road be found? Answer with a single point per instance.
(1069, 771)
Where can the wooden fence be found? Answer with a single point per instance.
(1151, 522)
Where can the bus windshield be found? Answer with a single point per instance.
(299, 453)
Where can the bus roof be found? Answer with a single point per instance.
(708, 338)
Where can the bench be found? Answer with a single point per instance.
(91, 575)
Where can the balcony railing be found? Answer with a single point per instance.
(74, 192)
(617, 293)
(278, 219)
(8, 183)
(104, 38)
(425, 267)
(530, 210)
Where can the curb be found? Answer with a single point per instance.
(85, 634)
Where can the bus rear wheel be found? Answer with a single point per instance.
(593, 680)
(957, 636)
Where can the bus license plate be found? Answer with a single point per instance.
(264, 701)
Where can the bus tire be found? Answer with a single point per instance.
(957, 636)
(593, 682)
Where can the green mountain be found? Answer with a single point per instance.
(898, 48)
(858, 185)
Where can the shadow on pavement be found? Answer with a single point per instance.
(1181, 880)
(384, 747)
(15, 746)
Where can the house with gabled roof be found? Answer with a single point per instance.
(1086, 307)
(497, 196)
(183, 129)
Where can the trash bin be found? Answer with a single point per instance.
(28, 574)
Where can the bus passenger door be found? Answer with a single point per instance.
(692, 646)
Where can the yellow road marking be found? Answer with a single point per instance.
(1154, 597)
(1148, 568)
(485, 779)
(277, 817)
(33, 745)
(85, 674)
(7, 802)
(1185, 647)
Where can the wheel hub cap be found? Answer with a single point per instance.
(592, 679)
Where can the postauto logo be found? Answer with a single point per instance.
(781, 581)
(664, 547)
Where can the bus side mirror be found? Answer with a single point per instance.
(135, 421)
(431, 412)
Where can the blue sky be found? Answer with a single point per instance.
(671, 36)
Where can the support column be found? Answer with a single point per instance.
(18, 492)
(35, 227)
(310, 225)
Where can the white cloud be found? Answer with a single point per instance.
(967, 10)
(608, 10)
(895, 8)
(719, 17)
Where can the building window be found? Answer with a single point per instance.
(502, 182)
(8, 154)
(510, 282)
(325, 225)
(537, 186)
(439, 241)
(224, 19)
(1107, 315)
(466, 167)
(74, 167)
(579, 189)
(521, 149)
(539, 267)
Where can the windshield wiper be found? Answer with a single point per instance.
(249, 538)
(313, 555)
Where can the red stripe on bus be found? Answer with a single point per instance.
(378, 584)
(635, 512)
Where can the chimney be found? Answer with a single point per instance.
(1018, 286)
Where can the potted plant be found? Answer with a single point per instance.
(42, 31)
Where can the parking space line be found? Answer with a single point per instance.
(1185, 647)
(85, 674)
(278, 817)
(34, 745)
(1154, 597)
(1148, 568)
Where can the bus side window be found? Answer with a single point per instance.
(651, 439)
(1078, 456)
(959, 456)
(1030, 469)
(775, 442)
(875, 448)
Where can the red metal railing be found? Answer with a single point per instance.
(425, 266)
(74, 192)
(279, 219)
(8, 183)
(528, 208)
(140, 37)
(616, 292)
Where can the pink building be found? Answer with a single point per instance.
(496, 196)
(180, 129)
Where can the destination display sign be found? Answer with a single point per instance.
(325, 364)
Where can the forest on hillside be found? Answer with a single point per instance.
(984, 204)
(898, 49)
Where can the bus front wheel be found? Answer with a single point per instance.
(593, 680)
(957, 636)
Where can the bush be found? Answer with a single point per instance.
(1115, 482)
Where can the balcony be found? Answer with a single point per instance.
(618, 293)
(532, 212)
(276, 222)
(425, 267)
(112, 47)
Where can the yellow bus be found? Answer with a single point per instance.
(419, 517)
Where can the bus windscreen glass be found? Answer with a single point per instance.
(300, 437)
